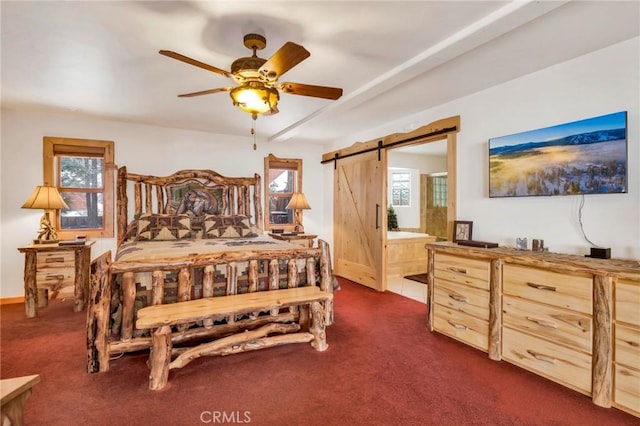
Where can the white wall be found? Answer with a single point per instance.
(143, 149)
(599, 83)
(595, 84)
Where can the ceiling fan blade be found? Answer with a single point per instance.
(310, 90)
(193, 62)
(287, 57)
(205, 92)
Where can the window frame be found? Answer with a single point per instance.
(408, 189)
(440, 190)
(273, 162)
(53, 148)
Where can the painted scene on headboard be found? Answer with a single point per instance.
(195, 199)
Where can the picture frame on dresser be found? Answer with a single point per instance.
(462, 230)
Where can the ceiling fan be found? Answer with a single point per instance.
(257, 90)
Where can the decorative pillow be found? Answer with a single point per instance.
(163, 227)
(237, 226)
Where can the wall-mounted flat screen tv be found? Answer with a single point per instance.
(582, 157)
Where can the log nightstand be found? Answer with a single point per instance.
(51, 270)
(302, 239)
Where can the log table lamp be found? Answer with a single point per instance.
(46, 198)
(298, 203)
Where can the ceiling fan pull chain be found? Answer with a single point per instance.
(253, 132)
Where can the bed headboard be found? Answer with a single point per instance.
(215, 194)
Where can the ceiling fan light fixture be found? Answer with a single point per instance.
(254, 97)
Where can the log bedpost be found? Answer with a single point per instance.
(81, 291)
(326, 278)
(98, 314)
(121, 204)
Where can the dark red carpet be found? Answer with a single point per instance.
(383, 367)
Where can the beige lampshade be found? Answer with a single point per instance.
(298, 202)
(45, 198)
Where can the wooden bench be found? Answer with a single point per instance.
(311, 303)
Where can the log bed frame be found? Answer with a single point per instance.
(113, 289)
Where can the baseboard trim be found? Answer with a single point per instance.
(11, 300)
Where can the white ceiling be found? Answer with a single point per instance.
(392, 59)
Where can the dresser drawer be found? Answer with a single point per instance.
(54, 276)
(561, 290)
(626, 393)
(555, 362)
(463, 327)
(627, 302)
(55, 259)
(462, 298)
(561, 326)
(472, 272)
(627, 346)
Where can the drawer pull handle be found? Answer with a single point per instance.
(541, 357)
(456, 325)
(542, 322)
(458, 298)
(633, 344)
(457, 270)
(55, 277)
(541, 286)
(54, 260)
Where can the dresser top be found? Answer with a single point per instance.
(568, 262)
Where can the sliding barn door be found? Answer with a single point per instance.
(360, 214)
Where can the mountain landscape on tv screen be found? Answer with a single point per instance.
(585, 163)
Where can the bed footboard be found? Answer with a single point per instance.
(116, 295)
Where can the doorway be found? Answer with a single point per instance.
(426, 167)
(360, 199)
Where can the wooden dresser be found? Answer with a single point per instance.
(461, 299)
(52, 270)
(626, 331)
(571, 319)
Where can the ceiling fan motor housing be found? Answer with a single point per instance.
(246, 69)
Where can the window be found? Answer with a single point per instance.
(400, 189)
(283, 177)
(82, 170)
(440, 191)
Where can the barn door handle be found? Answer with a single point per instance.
(377, 216)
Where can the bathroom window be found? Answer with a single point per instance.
(400, 189)
(440, 191)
